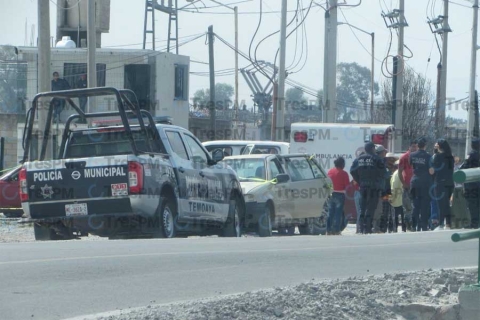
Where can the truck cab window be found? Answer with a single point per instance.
(198, 154)
(177, 144)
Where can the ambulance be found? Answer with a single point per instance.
(328, 141)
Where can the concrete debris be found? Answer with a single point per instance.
(412, 296)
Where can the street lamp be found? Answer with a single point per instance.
(235, 10)
(372, 34)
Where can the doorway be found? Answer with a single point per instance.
(137, 79)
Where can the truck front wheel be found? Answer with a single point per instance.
(233, 226)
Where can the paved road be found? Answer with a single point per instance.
(57, 280)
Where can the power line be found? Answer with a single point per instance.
(245, 12)
(301, 23)
(158, 41)
(304, 36)
(356, 37)
(461, 5)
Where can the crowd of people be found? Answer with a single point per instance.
(415, 191)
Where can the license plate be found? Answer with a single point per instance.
(119, 189)
(77, 209)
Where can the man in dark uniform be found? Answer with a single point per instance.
(82, 84)
(472, 189)
(368, 170)
(420, 185)
(58, 84)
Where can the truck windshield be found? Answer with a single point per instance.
(103, 143)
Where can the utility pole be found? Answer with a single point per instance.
(92, 45)
(394, 90)
(398, 143)
(280, 121)
(274, 110)
(330, 63)
(441, 27)
(236, 103)
(372, 103)
(211, 62)
(397, 21)
(44, 74)
(438, 102)
(473, 68)
(443, 95)
(235, 10)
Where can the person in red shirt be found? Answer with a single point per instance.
(340, 182)
(405, 173)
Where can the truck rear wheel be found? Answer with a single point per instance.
(233, 226)
(43, 233)
(167, 220)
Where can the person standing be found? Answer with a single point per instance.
(356, 197)
(395, 199)
(443, 164)
(383, 208)
(405, 174)
(434, 213)
(388, 214)
(340, 182)
(459, 209)
(472, 189)
(82, 84)
(368, 170)
(58, 84)
(420, 185)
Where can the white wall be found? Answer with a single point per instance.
(166, 105)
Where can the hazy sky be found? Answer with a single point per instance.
(127, 18)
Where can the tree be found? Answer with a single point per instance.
(295, 100)
(295, 95)
(418, 114)
(223, 97)
(353, 87)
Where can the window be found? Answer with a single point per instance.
(73, 71)
(97, 143)
(198, 154)
(317, 170)
(299, 169)
(177, 144)
(274, 168)
(248, 168)
(181, 86)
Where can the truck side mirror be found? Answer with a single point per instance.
(282, 178)
(217, 155)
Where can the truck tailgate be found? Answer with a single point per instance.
(78, 187)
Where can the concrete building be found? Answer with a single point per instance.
(160, 81)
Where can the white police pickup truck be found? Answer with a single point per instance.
(142, 179)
